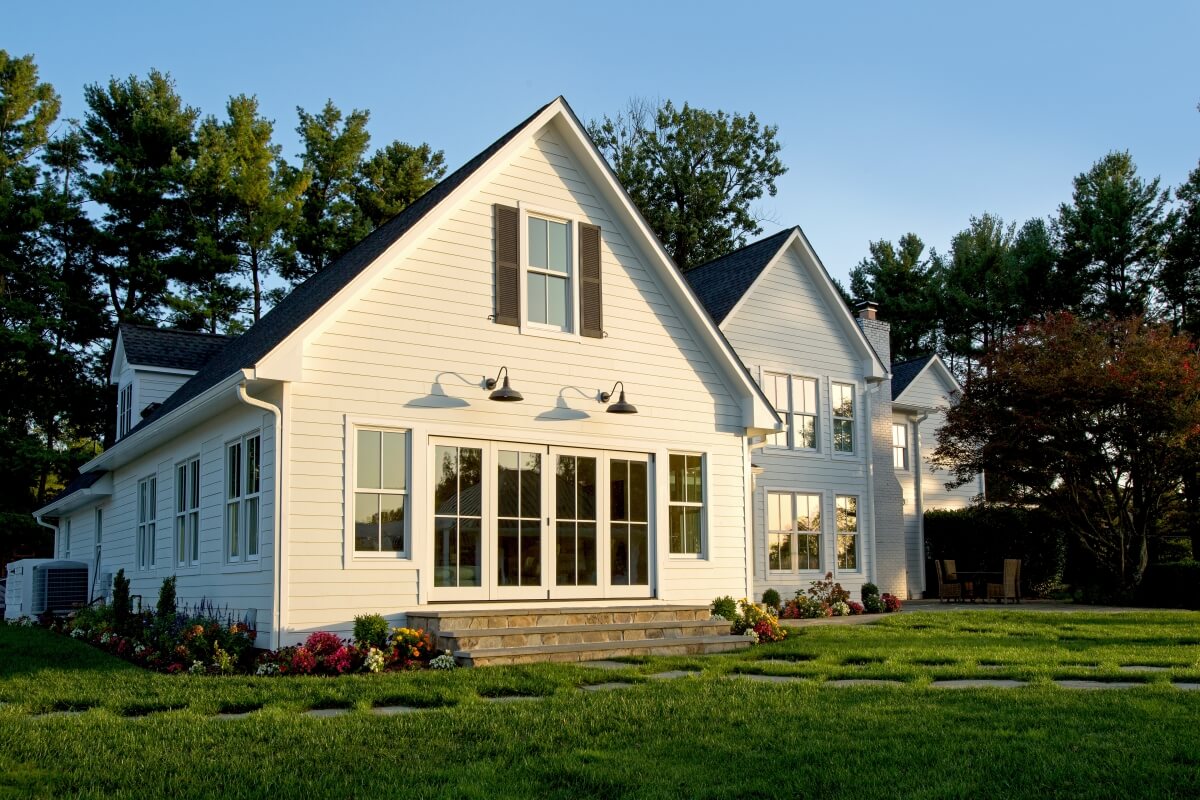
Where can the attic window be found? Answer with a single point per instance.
(125, 410)
(548, 273)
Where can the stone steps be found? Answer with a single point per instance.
(677, 646)
(494, 638)
(523, 635)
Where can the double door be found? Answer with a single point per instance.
(518, 521)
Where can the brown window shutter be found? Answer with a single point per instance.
(591, 313)
(508, 265)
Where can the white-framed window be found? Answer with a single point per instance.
(381, 491)
(793, 531)
(99, 532)
(846, 507)
(125, 410)
(548, 272)
(843, 417)
(900, 445)
(243, 486)
(147, 514)
(66, 539)
(187, 512)
(776, 388)
(685, 503)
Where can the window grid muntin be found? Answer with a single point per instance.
(560, 277)
(846, 512)
(685, 504)
(187, 512)
(147, 522)
(900, 445)
(377, 473)
(842, 408)
(243, 492)
(799, 536)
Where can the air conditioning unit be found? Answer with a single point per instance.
(37, 585)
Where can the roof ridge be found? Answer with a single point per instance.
(156, 329)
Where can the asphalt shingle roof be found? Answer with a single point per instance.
(905, 372)
(84, 480)
(308, 297)
(720, 283)
(147, 346)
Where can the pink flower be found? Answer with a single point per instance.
(303, 661)
(323, 643)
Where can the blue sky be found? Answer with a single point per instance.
(894, 116)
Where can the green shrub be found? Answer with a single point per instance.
(725, 607)
(981, 537)
(371, 630)
(772, 599)
(872, 602)
(167, 606)
(122, 604)
(1171, 585)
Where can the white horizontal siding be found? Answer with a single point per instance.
(421, 331)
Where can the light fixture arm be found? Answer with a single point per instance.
(491, 383)
(606, 396)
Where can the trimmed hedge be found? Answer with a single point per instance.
(981, 537)
(1175, 585)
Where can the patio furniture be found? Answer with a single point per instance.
(947, 590)
(951, 570)
(1010, 589)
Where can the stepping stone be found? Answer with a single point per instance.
(390, 711)
(1078, 684)
(66, 712)
(514, 698)
(673, 673)
(1187, 687)
(754, 676)
(977, 683)
(993, 666)
(604, 687)
(605, 664)
(234, 714)
(326, 712)
(1142, 668)
(863, 682)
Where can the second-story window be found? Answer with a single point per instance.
(548, 273)
(125, 410)
(795, 399)
(900, 445)
(843, 417)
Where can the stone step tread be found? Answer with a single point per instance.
(484, 611)
(606, 626)
(601, 647)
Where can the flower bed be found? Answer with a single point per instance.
(827, 598)
(208, 641)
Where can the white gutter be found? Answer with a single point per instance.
(919, 498)
(278, 510)
(38, 518)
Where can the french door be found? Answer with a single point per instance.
(519, 521)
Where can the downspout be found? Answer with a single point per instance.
(919, 499)
(873, 572)
(278, 616)
(38, 519)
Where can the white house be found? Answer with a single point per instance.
(837, 491)
(922, 390)
(357, 450)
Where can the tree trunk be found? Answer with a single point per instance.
(254, 278)
(1191, 500)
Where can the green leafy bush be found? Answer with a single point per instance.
(371, 630)
(981, 537)
(1171, 585)
(725, 607)
(167, 605)
(872, 602)
(771, 598)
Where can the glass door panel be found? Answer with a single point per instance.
(458, 519)
(575, 513)
(629, 527)
(519, 510)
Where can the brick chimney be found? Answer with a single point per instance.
(892, 550)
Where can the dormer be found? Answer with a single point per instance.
(150, 363)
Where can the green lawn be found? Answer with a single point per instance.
(147, 735)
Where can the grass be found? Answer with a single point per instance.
(146, 735)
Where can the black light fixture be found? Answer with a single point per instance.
(505, 394)
(621, 406)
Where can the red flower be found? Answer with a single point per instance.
(303, 661)
(323, 643)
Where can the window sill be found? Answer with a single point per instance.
(241, 566)
(686, 557)
(531, 329)
(372, 556)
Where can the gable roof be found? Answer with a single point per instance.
(729, 280)
(722, 282)
(148, 346)
(914, 369)
(308, 297)
(906, 372)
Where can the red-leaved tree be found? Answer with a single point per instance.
(1094, 420)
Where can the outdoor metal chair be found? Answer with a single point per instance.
(1010, 589)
